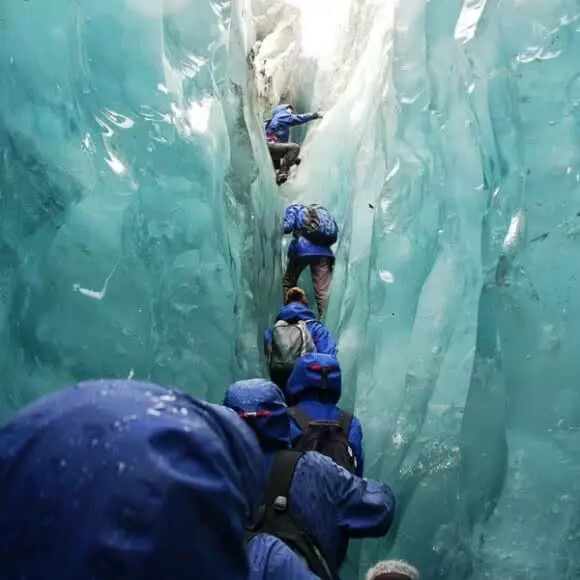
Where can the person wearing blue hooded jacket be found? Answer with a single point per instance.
(112, 480)
(284, 154)
(296, 309)
(303, 253)
(333, 504)
(317, 393)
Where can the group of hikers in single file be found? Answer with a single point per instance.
(124, 480)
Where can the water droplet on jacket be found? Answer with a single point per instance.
(168, 398)
(121, 467)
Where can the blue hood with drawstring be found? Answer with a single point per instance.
(126, 480)
(334, 504)
(294, 311)
(318, 398)
(278, 127)
(307, 382)
(261, 397)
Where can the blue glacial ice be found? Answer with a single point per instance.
(138, 234)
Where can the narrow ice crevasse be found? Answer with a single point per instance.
(130, 134)
(451, 163)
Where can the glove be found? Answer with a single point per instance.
(318, 115)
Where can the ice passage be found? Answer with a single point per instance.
(139, 234)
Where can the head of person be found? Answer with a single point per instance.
(122, 479)
(315, 376)
(261, 405)
(283, 107)
(393, 570)
(296, 295)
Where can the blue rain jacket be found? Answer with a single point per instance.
(334, 504)
(323, 339)
(278, 127)
(271, 559)
(300, 246)
(112, 480)
(305, 390)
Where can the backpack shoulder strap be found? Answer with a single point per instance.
(300, 416)
(281, 475)
(345, 420)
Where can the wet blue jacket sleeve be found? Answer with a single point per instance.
(267, 339)
(365, 508)
(292, 120)
(271, 559)
(290, 216)
(323, 339)
(355, 438)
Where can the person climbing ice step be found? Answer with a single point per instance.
(314, 231)
(284, 153)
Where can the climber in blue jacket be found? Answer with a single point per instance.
(333, 504)
(296, 308)
(303, 253)
(308, 390)
(284, 154)
(294, 312)
(121, 479)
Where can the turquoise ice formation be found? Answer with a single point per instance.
(138, 234)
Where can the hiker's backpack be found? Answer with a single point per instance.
(317, 225)
(290, 341)
(327, 437)
(274, 516)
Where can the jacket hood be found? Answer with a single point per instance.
(271, 422)
(279, 108)
(121, 479)
(307, 379)
(295, 311)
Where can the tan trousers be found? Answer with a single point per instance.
(321, 272)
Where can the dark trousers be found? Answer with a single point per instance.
(321, 272)
(284, 155)
(280, 378)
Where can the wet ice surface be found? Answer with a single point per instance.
(138, 234)
(134, 205)
(450, 155)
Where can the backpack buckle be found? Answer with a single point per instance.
(281, 503)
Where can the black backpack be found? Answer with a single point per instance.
(290, 340)
(317, 225)
(327, 437)
(274, 516)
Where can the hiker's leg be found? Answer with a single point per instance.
(293, 270)
(321, 270)
(292, 153)
(277, 152)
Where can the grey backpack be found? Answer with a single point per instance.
(290, 341)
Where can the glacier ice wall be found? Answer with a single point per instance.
(138, 233)
(450, 155)
(135, 234)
